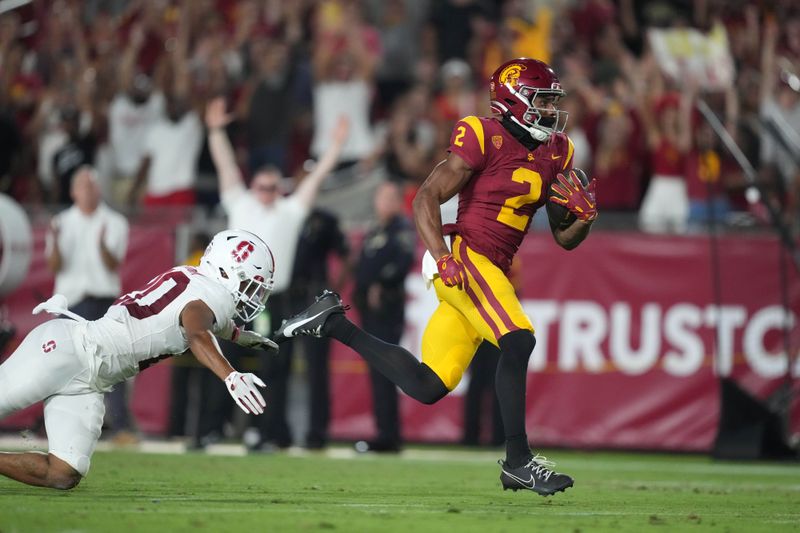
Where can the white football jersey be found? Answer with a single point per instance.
(144, 326)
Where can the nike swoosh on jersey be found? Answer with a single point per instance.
(289, 331)
(554, 157)
(528, 484)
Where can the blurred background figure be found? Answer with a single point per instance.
(386, 257)
(345, 54)
(135, 108)
(77, 151)
(270, 101)
(84, 249)
(665, 207)
(321, 240)
(168, 169)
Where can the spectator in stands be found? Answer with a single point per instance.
(84, 249)
(451, 25)
(344, 59)
(665, 208)
(173, 143)
(707, 178)
(457, 99)
(387, 254)
(77, 151)
(407, 143)
(780, 120)
(400, 25)
(133, 111)
(270, 102)
(278, 220)
(523, 31)
(270, 97)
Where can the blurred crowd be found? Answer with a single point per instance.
(122, 84)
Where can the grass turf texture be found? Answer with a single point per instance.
(429, 490)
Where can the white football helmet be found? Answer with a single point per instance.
(243, 264)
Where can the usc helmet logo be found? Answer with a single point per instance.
(510, 74)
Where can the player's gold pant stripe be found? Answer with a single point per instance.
(465, 318)
(504, 321)
(475, 292)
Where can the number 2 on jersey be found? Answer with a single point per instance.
(461, 132)
(507, 214)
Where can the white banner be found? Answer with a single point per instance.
(689, 54)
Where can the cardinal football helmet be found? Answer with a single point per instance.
(242, 263)
(527, 91)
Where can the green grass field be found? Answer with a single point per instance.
(435, 489)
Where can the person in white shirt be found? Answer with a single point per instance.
(171, 149)
(70, 363)
(173, 143)
(343, 64)
(278, 220)
(85, 247)
(134, 109)
(131, 114)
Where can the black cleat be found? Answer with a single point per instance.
(535, 475)
(312, 319)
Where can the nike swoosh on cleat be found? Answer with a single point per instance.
(529, 484)
(288, 332)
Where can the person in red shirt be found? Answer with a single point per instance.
(504, 168)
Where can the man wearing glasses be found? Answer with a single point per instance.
(263, 210)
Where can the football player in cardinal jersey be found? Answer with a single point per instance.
(504, 168)
(70, 363)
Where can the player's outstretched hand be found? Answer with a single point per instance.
(452, 272)
(242, 388)
(251, 339)
(575, 196)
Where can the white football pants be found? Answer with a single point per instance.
(50, 365)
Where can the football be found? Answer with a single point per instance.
(560, 216)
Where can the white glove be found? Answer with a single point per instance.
(57, 305)
(251, 339)
(242, 388)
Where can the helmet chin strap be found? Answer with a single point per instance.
(537, 134)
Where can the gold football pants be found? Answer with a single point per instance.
(487, 309)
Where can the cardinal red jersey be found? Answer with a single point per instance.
(509, 183)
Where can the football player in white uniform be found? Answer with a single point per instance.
(70, 363)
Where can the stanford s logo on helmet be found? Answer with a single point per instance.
(242, 251)
(527, 92)
(242, 263)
